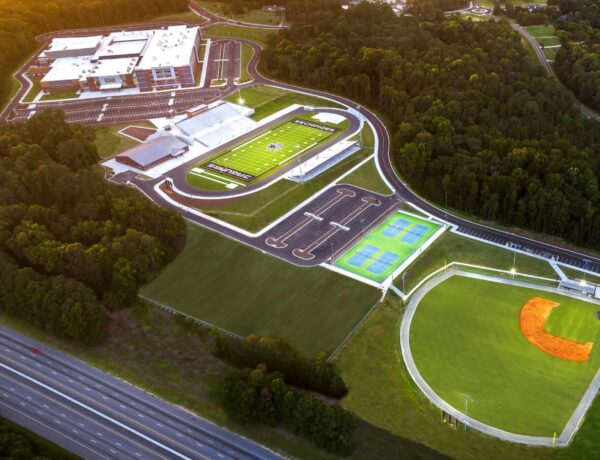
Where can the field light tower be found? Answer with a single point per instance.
(513, 271)
(467, 399)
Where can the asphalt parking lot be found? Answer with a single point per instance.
(327, 225)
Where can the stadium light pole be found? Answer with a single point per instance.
(403, 279)
(467, 399)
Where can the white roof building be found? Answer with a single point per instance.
(170, 47)
(69, 68)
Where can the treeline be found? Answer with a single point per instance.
(22, 21)
(577, 62)
(261, 396)
(426, 6)
(69, 240)
(295, 10)
(476, 125)
(16, 443)
(527, 15)
(281, 356)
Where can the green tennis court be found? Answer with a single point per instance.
(270, 149)
(383, 250)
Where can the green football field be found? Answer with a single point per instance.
(270, 150)
(466, 342)
(384, 249)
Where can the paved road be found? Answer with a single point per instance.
(97, 416)
(214, 19)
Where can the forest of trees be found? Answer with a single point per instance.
(16, 443)
(279, 355)
(22, 21)
(71, 243)
(476, 125)
(578, 60)
(260, 396)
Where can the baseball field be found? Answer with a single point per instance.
(516, 358)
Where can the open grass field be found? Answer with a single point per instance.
(256, 16)
(260, 36)
(385, 248)
(240, 289)
(466, 340)
(266, 100)
(367, 177)
(541, 31)
(455, 248)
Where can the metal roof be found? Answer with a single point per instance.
(154, 150)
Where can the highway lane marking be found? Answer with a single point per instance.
(54, 430)
(122, 415)
(57, 421)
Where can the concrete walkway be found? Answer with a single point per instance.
(576, 418)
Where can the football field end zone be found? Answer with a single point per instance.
(436, 278)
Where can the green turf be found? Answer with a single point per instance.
(267, 100)
(382, 393)
(540, 31)
(367, 177)
(451, 247)
(466, 340)
(272, 148)
(377, 239)
(260, 36)
(241, 289)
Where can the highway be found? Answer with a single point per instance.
(97, 416)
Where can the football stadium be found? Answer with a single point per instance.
(382, 251)
(515, 356)
(266, 152)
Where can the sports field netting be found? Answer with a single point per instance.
(270, 150)
(364, 254)
(378, 254)
(414, 233)
(383, 262)
(395, 227)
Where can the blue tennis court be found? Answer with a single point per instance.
(382, 262)
(395, 227)
(359, 259)
(414, 234)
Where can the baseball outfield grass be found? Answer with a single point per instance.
(384, 249)
(467, 343)
(238, 288)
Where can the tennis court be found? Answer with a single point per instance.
(378, 254)
(269, 150)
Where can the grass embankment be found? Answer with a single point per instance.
(267, 100)
(383, 394)
(238, 288)
(454, 248)
(466, 342)
(368, 177)
(247, 53)
(260, 36)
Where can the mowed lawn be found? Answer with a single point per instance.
(238, 288)
(466, 340)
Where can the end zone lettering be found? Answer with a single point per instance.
(329, 129)
(230, 172)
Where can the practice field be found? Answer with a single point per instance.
(238, 288)
(384, 249)
(468, 344)
(269, 150)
